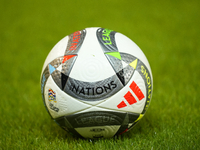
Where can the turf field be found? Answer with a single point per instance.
(167, 31)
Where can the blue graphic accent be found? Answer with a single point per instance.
(42, 84)
(51, 69)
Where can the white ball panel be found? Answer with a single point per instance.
(95, 108)
(91, 65)
(108, 131)
(65, 103)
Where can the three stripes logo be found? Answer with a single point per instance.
(129, 96)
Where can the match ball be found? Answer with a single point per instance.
(96, 83)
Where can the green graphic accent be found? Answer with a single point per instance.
(106, 36)
(115, 54)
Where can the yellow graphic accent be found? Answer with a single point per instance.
(134, 63)
(115, 54)
(141, 115)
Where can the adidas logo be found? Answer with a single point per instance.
(130, 98)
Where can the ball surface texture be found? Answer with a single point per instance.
(96, 83)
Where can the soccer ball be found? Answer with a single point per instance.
(96, 83)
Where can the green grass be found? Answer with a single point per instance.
(167, 31)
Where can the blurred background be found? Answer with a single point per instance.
(168, 33)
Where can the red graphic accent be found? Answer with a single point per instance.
(137, 90)
(130, 98)
(122, 104)
(67, 57)
(124, 131)
(75, 40)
